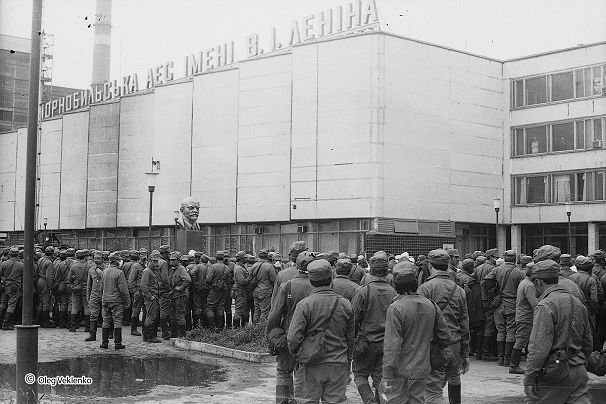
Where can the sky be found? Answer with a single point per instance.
(146, 33)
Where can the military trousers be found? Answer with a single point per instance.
(94, 307)
(573, 389)
(79, 302)
(438, 379)
(489, 325)
(326, 382)
(199, 302)
(369, 364)
(113, 313)
(241, 304)
(11, 297)
(62, 301)
(214, 304)
(164, 303)
(262, 304)
(44, 295)
(176, 312)
(152, 311)
(284, 377)
(523, 331)
(398, 391)
(505, 322)
(137, 302)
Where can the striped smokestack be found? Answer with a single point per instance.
(101, 51)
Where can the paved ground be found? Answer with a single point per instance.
(228, 381)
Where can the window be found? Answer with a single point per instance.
(579, 83)
(519, 147)
(535, 189)
(562, 136)
(518, 93)
(599, 186)
(562, 86)
(536, 90)
(536, 139)
(563, 187)
(580, 135)
(560, 187)
(597, 80)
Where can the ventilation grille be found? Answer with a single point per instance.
(397, 244)
(385, 225)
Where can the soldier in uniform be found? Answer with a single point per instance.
(599, 270)
(286, 298)
(46, 280)
(164, 291)
(342, 285)
(488, 329)
(589, 286)
(287, 274)
(94, 293)
(149, 291)
(412, 321)
(11, 277)
(134, 282)
(560, 322)
(241, 281)
(229, 284)
(62, 294)
(265, 276)
(526, 301)
(504, 281)
(357, 271)
(326, 379)
(76, 279)
(215, 280)
(179, 281)
(199, 290)
(450, 298)
(115, 298)
(565, 264)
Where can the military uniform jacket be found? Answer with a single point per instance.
(149, 284)
(134, 277)
(600, 272)
(198, 277)
(113, 286)
(93, 283)
(78, 275)
(480, 273)
(345, 287)
(566, 271)
(11, 272)
(311, 313)
(356, 274)
(163, 282)
(217, 272)
(438, 288)
(283, 305)
(509, 290)
(229, 281)
(551, 326)
(370, 315)
(283, 276)
(412, 322)
(46, 271)
(126, 268)
(589, 287)
(61, 272)
(526, 301)
(266, 275)
(571, 288)
(179, 281)
(241, 278)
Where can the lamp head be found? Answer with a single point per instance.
(496, 202)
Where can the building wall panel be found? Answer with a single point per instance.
(8, 168)
(215, 145)
(20, 179)
(102, 191)
(136, 142)
(74, 168)
(49, 189)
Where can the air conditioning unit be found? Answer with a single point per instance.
(301, 229)
(597, 144)
(259, 230)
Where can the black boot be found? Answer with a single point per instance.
(93, 332)
(514, 365)
(74, 323)
(152, 337)
(65, 319)
(211, 322)
(118, 339)
(46, 322)
(486, 350)
(366, 394)
(38, 318)
(228, 319)
(181, 329)
(174, 330)
(236, 323)
(2, 313)
(501, 352)
(244, 321)
(7, 324)
(507, 355)
(479, 349)
(220, 322)
(104, 338)
(87, 325)
(134, 323)
(111, 331)
(165, 329)
(454, 394)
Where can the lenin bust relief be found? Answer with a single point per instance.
(190, 209)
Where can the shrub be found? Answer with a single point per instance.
(249, 338)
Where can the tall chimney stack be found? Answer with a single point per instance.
(101, 50)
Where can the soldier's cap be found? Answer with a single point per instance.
(332, 256)
(97, 255)
(125, 253)
(240, 254)
(14, 251)
(404, 272)
(353, 258)
(566, 259)
(155, 255)
(219, 254)
(319, 270)
(225, 253)
(545, 269)
(477, 254)
(303, 260)
(547, 252)
(80, 254)
(480, 260)
(344, 264)
(467, 264)
(584, 263)
(115, 256)
(296, 248)
(198, 254)
(342, 256)
(468, 255)
(143, 251)
(525, 259)
(49, 250)
(70, 252)
(63, 253)
(184, 257)
(164, 249)
(438, 257)
(599, 254)
(529, 269)
(105, 254)
(263, 253)
(135, 254)
(453, 252)
(378, 261)
(174, 255)
(493, 252)
(510, 253)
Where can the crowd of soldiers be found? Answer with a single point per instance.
(330, 314)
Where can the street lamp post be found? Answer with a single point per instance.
(45, 222)
(496, 202)
(151, 186)
(568, 213)
(176, 215)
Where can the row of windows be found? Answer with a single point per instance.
(560, 187)
(579, 83)
(16, 116)
(559, 136)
